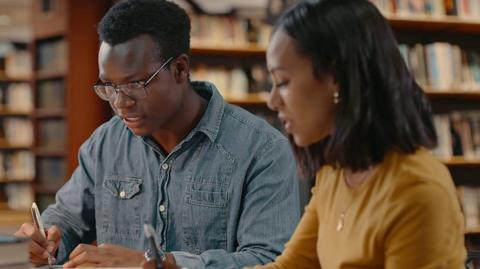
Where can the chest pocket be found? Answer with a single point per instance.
(206, 205)
(121, 208)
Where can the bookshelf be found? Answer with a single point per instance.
(66, 111)
(55, 68)
(451, 84)
(445, 24)
(16, 139)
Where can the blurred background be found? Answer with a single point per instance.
(48, 64)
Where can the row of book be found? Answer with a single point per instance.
(51, 94)
(228, 31)
(16, 97)
(19, 165)
(51, 171)
(19, 196)
(436, 8)
(17, 132)
(52, 134)
(469, 198)
(14, 252)
(443, 66)
(234, 82)
(458, 134)
(18, 64)
(52, 56)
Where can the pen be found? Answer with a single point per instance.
(37, 221)
(154, 247)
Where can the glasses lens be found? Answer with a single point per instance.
(135, 90)
(104, 92)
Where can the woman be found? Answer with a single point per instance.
(361, 123)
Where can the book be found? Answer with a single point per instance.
(14, 252)
(436, 8)
(443, 66)
(52, 134)
(51, 94)
(19, 196)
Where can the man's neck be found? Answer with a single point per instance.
(188, 116)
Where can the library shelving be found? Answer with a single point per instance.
(66, 110)
(60, 71)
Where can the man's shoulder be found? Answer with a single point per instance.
(113, 128)
(238, 122)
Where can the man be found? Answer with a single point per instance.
(217, 183)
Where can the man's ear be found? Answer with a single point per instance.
(181, 68)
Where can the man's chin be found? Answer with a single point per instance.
(139, 131)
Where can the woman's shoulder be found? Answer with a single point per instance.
(420, 173)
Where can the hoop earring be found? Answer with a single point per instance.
(336, 97)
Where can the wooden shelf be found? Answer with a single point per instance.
(15, 180)
(449, 24)
(5, 112)
(45, 75)
(458, 161)
(14, 80)
(4, 146)
(453, 95)
(250, 99)
(249, 50)
(43, 152)
(49, 113)
(450, 95)
(13, 218)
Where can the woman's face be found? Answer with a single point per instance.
(304, 102)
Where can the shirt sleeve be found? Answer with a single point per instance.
(270, 212)
(301, 251)
(73, 210)
(425, 229)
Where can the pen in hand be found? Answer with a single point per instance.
(37, 221)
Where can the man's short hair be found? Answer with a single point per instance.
(166, 22)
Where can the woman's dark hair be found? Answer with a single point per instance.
(167, 23)
(381, 106)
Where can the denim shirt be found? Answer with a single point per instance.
(225, 197)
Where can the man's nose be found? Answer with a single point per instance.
(122, 100)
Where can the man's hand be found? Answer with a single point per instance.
(104, 255)
(39, 246)
(169, 263)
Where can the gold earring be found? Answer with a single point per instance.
(336, 97)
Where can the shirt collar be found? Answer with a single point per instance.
(210, 122)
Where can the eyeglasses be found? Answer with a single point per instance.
(135, 90)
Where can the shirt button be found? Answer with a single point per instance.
(164, 166)
(162, 208)
(122, 194)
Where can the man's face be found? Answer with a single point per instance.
(137, 60)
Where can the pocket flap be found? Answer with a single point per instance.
(122, 187)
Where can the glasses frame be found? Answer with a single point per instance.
(99, 87)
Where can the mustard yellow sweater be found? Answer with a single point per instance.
(405, 216)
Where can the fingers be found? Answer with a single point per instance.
(38, 244)
(38, 254)
(149, 264)
(29, 230)
(83, 254)
(54, 234)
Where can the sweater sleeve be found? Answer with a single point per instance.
(425, 229)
